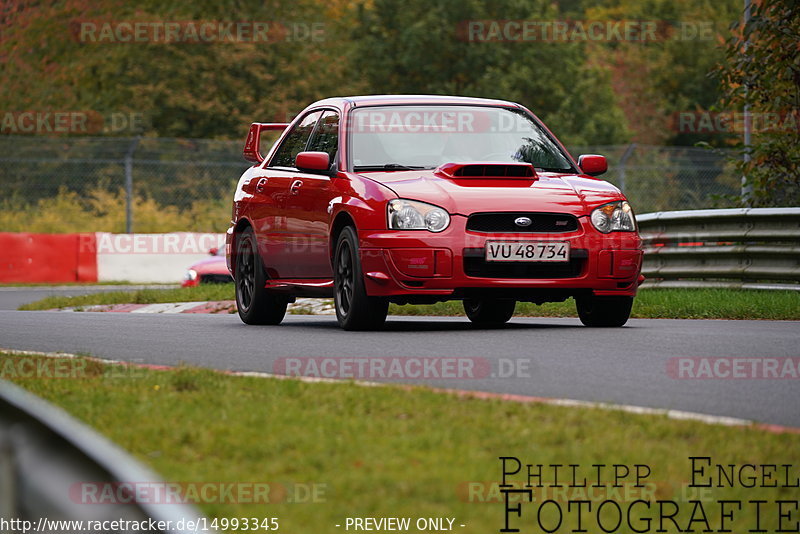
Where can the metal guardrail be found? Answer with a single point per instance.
(202, 172)
(749, 248)
(45, 456)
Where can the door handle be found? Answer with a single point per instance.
(260, 185)
(296, 185)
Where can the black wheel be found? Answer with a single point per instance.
(489, 312)
(256, 305)
(604, 311)
(355, 310)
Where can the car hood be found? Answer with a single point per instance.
(548, 192)
(212, 265)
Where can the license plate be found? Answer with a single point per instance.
(527, 251)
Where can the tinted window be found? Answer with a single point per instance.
(295, 142)
(326, 138)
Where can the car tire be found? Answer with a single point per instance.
(604, 311)
(355, 310)
(256, 305)
(489, 312)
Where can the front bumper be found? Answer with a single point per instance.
(450, 264)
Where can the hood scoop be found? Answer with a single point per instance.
(524, 171)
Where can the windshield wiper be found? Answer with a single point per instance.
(389, 167)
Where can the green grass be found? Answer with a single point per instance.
(139, 296)
(660, 304)
(386, 451)
(650, 303)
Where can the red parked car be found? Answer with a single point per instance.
(419, 199)
(212, 270)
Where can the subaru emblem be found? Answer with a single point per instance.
(523, 221)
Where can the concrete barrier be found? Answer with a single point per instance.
(151, 258)
(102, 256)
(26, 258)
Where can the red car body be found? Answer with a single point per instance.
(294, 207)
(211, 270)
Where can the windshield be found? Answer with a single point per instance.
(424, 137)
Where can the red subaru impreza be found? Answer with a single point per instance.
(419, 199)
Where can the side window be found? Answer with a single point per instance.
(326, 138)
(295, 141)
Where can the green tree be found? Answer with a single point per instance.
(655, 79)
(762, 70)
(419, 46)
(185, 89)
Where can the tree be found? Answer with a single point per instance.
(656, 79)
(762, 70)
(419, 46)
(182, 89)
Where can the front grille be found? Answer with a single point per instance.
(215, 278)
(503, 222)
(476, 266)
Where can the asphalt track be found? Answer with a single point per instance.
(561, 358)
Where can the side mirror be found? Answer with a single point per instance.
(592, 164)
(313, 161)
(213, 251)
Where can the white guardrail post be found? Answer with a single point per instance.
(749, 248)
(45, 457)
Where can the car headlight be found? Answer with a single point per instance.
(614, 217)
(414, 215)
(190, 276)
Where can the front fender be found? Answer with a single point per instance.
(363, 200)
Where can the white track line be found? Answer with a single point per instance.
(169, 307)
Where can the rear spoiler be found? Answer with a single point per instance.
(251, 145)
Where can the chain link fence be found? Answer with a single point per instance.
(178, 175)
(670, 178)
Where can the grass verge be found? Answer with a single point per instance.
(650, 303)
(660, 304)
(202, 293)
(389, 451)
